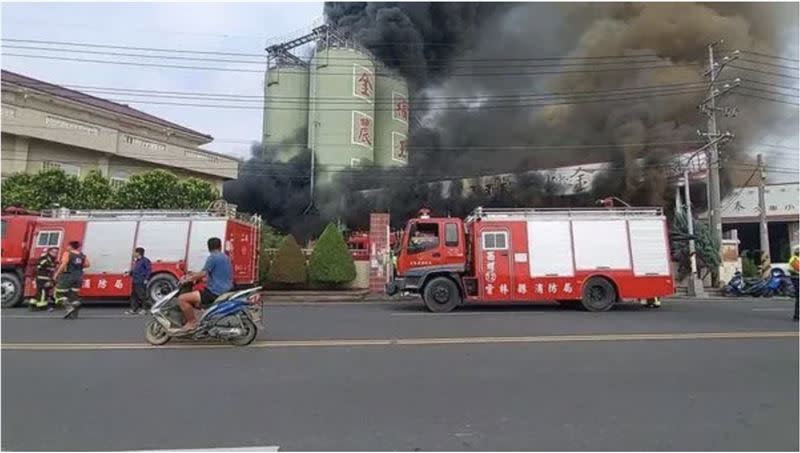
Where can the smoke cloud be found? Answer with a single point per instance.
(484, 79)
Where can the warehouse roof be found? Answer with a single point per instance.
(781, 200)
(93, 101)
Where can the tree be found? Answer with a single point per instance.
(40, 191)
(706, 248)
(195, 193)
(95, 192)
(160, 189)
(331, 263)
(289, 265)
(157, 189)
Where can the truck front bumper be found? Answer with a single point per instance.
(400, 285)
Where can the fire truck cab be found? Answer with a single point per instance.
(595, 257)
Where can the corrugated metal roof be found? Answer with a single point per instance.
(83, 98)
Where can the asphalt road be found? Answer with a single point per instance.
(706, 375)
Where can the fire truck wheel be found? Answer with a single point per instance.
(160, 285)
(11, 290)
(598, 294)
(441, 295)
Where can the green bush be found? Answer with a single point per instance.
(289, 265)
(749, 266)
(95, 192)
(331, 263)
(156, 189)
(41, 190)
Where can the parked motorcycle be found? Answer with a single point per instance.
(235, 317)
(778, 284)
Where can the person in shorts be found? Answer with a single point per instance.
(68, 277)
(219, 272)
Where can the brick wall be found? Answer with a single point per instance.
(379, 251)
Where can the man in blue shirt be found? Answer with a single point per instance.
(219, 271)
(140, 273)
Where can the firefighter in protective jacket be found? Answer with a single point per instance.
(45, 268)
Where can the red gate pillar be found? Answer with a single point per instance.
(379, 262)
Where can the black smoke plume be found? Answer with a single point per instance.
(495, 87)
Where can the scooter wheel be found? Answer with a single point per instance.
(155, 333)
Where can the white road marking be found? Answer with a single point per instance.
(773, 309)
(269, 448)
(327, 343)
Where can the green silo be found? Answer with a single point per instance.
(341, 110)
(286, 109)
(391, 120)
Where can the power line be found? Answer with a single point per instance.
(349, 99)
(775, 65)
(244, 70)
(263, 58)
(262, 55)
(423, 104)
(149, 49)
(775, 85)
(777, 57)
(762, 90)
(774, 74)
(125, 54)
(769, 99)
(431, 108)
(468, 148)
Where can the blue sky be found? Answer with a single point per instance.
(227, 27)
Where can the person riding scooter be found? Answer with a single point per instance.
(219, 271)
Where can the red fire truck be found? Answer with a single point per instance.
(595, 257)
(175, 242)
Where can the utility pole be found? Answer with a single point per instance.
(709, 107)
(763, 227)
(695, 284)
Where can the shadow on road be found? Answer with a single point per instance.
(522, 307)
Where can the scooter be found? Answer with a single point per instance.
(778, 283)
(235, 317)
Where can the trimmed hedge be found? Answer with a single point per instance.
(289, 265)
(331, 263)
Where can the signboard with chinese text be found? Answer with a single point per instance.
(362, 129)
(781, 201)
(399, 149)
(363, 83)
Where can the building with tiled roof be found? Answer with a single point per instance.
(45, 125)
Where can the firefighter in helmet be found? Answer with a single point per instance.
(45, 268)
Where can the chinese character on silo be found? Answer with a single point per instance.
(400, 111)
(362, 129)
(364, 82)
(399, 150)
